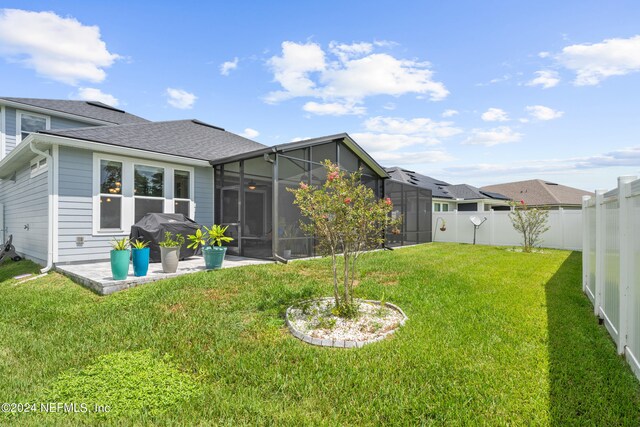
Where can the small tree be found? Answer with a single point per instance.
(346, 218)
(531, 223)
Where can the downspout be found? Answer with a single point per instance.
(50, 175)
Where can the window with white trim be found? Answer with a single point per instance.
(181, 192)
(125, 189)
(38, 166)
(445, 207)
(436, 207)
(28, 123)
(148, 190)
(110, 195)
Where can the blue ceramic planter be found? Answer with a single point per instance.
(213, 256)
(140, 262)
(120, 264)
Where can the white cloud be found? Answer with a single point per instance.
(491, 137)
(545, 78)
(381, 74)
(93, 94)
(624, 157)
(250, 133)
(540, 112)
(389, 142)
(181, 99)
(495, 115)
(544, 54)
(333, 108)
(409, 158)
(58, 48)
(421, 126)
(227, 66)
(292, 70)
(387, 139)
(348, 51)
(449, 113)
(347, 74)
(389, 106)
(595, 62)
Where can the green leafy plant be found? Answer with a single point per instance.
(130, 382)
(212, 236)
(139, 244)
(531, 223)
(346, 218)
(170, 242)
(120, 245)
(217, 235)
(196, 240)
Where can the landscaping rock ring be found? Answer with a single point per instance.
(311, 321)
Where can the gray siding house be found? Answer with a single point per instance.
(74, 175)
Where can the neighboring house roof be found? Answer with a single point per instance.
(185, 138)
(469, 192)
(537, 192)
(439, 189)
(88, 109)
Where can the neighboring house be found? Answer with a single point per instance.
(448, 197)
(540, 193)
(76, 174)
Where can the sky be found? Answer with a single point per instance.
(467, 92)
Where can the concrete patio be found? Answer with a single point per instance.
(97, 275)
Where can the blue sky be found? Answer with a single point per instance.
(475, 92)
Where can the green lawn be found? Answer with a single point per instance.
(494, 337)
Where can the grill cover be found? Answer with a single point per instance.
(151, 228)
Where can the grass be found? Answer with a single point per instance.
(493, 338)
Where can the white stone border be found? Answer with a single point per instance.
(342, 343)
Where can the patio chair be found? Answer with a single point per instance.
(9, 251)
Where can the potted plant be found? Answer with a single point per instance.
(140, 257)
(443, 226)
(211, 241)
(170, 251)
(120, 258)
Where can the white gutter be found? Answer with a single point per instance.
(50, 173)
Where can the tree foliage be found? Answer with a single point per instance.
(346, 218)
(531, 223)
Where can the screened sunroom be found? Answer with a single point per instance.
(251, 196)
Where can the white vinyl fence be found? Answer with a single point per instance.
(611, 263)
(565, 229)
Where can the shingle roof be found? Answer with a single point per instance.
(439, 189)
(89, 109)
(186, 138)
(469, 192)
(537, 192)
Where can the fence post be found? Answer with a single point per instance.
(492, 228)
(600, 224)
(586, 238)
(626, 257)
